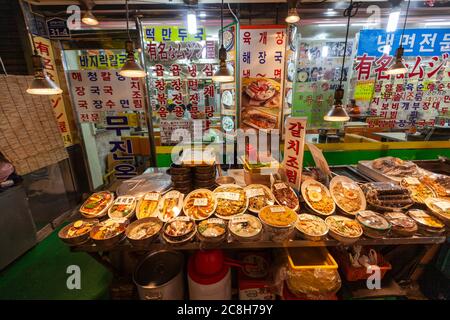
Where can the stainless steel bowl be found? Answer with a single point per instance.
(143, 242)
(225, 180)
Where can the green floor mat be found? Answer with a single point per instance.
(41, 273)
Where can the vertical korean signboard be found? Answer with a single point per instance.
(416, 99)
(44, 48)
(181, 87)
(293, 150)
(262, 60)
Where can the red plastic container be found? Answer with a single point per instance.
(352, 273)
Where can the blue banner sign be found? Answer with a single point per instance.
(416, 42)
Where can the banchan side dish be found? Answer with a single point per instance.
(200, 204)
(231, 201)
(258, 196)
(97, 204)
(348, 196)
(318, 197)
(285, 195)
(343, 229)
(148, 205)
(123, 207)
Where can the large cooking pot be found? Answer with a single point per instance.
(159, 276)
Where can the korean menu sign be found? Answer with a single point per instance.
(293, 150)
(172, 34)
(181, 86)
(415, 99)
(262, 61)
(416, 42)
(97, 91)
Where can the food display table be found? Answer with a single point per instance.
(125, 247)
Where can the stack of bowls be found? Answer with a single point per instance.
(204, 177)
(181, 178)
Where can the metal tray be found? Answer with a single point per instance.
(365, 168)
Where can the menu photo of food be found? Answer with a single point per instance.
(261, 103)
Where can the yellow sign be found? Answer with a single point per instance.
(101, 61)
(364, 90)
(172, 34)
(44, 48)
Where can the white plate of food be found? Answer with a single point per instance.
(318, 197)
(347, 194)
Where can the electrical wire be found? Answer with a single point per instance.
(128, 18)
(229, 8)
(221, 24)
(404, 24)
(349, 14)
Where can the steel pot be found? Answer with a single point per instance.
(159, 276)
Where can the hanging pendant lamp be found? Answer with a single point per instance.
(224, 73)
(89, 18)
(398, 66)
(41, 84)
(131, 68)
(337, 112)
(292, 16)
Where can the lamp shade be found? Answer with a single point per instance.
(224, 74)
(398, 67)
(131, 69)
(89, 18)
(41, 84)
(292, 16)
(337, 112)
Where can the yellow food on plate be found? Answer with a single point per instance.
(199, 204)
(278, 216)
(231, 200)
(148, 205)
(318, 197)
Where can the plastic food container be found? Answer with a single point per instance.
(343, 229)
(200, 204)
(77, 232)
(401, 224)
(97, 204)
(143, 232)
(148, 205)
(318, 197)
(374, 224)
(278, 222)
(311, 227)
(245, 228)
(212, 230)
(123, 207)
(312, 271)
